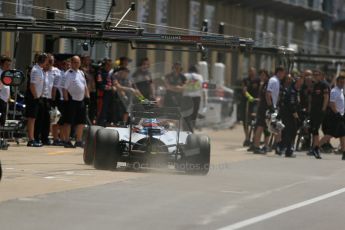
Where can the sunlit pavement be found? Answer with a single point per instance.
(51, 188)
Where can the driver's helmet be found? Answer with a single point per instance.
(150, 123)
(274, 124)
(150, 126)
(54, 116)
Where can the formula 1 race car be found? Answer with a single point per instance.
(152, 139)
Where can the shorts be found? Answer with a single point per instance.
(261, 118)
(337, 126)
(316, 119)
(32, 106)
(3, 111)
(76, 112)
(248, 115)
(327, 124)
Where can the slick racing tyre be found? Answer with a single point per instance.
(197, 154)
(107, 149)
(89, 136)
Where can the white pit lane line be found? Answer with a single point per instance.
(280, 211)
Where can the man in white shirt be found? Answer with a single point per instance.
(272, 98)
(59, 132)
(33, 97)
(75, 93)
(57, 101)
(5, 64)
(337, 106)
(273, 88)
(193, 92)
(42, 128)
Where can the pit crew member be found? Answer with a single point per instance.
(250, 92)
(5, 64)
(319, 103)
(42, 128)
(261, 125)
(142, 79)
(76, 87)
(33, 96)
(289, 114)
(174, 84)
(193, 92)
(337, 110)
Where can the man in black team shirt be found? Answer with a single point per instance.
(305, 97)
(174, 83)
(319, 103)
(289, 111)
(250, 90)
(142, 79)
(260, 125)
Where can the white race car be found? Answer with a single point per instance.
(154, 138)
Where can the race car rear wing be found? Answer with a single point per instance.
(152, 111)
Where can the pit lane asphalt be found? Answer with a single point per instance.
(50, 188)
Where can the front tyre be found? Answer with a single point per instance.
(106, 149)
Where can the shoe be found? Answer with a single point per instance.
(48, 143)
(30, 143)
(343, 158)
(33, 143)
(79, 144)
(316, 154)
(61, 143)
(58, 143)
(39, 142)
(278, 151)
(251, 148)
(267, 149)
(258, 151)
(246, 143)
(69, 145)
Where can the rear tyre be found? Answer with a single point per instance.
(107, 149)
(197, 154)
(89, 136)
